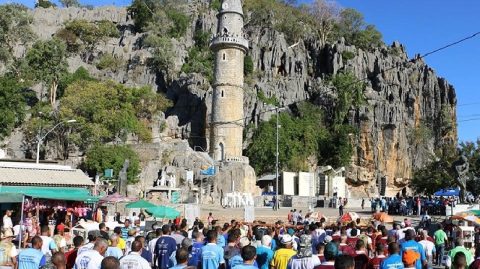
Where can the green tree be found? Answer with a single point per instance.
(47, 63)
(70, 3)
(45, 4)
(107, 112)
(200, 58)
(247, 65)
(163, 58)
(14, 29)
(355, 30)
(13, 103)
(109, 62)
(101, 157)
(349, 95)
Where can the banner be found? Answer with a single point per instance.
(191, 212)
(209, 171)
(249, 214)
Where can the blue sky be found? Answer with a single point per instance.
(421, 25)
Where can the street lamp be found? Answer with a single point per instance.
(40, 137)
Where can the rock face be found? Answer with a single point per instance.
(402, 121)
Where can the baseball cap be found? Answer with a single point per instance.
(410, 256)
(286, 239)
(328, 239)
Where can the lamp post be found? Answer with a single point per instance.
(40, 137)
(276, 163)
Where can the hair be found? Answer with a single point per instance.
(137, 246)
(379, 249)
(117, 230)
(458, 242)
(201, 225)
(59, 258)
(460, 260)
(211, 236)
(409, 234)
(196, 234)
(393, 248)
(110, 262)
(354, 232)
(477, 251)
(36, 240)
(232, 237)
(100, 243)
(248, 253)
(181, 255)
(359, 245)
(158, 232)
(344, 262)
(101, 226)
(166, 229)
(77, 241)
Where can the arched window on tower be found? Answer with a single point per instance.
(222, 93)
(224, 57)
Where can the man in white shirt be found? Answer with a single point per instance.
(92, 237)
(48, 246)
(428, 247)
(153, 242)
(134, 259)
(92, 259)
(7, 220)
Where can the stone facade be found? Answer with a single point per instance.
(229, 46)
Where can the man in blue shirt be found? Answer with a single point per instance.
(264, 252)
(212, 255)
(32, 258)
(126, 229)
(411, 244)
(248, 256)
(181, 256)
(164, 248)
(394, 261)
(196, 252)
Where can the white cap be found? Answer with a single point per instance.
(286, 239)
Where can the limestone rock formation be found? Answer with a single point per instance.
(404, 97)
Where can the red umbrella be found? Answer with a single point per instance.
(348, 217)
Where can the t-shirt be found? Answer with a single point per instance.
(212, 256)
(326, 265)
(121, 244)
(84, 248)
(468, 254)
(196, 254)
(475, 264)
(440, 237)
(264, 257)
(7, 222)
(128, 244)
(415, 246)
(8, 252)
(428, 247)
(245, 266)
(221, 242)
(164, 247)
(114, 251)
(89, 259)
(71, 256)
(361, 261)
(281, 257)
(303, 263)
(31, 259)
(125, 232)
(375, 262)
(393, 261)
(134, 261)
(234, 261)
(347, 250)
(48, 245)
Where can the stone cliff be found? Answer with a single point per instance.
(398, 126)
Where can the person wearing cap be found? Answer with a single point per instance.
(8, 251)
(304, 258)
(237, 259)
(394, 260)
(212, 254)
(264, 252)
(134, 258)
(411, 244)
(295, 239)
(283, 255)
(32, 258)
(248, 257)
(460, 248)
(129, 240)
(409, 258)
(330, 253)
(164, 248)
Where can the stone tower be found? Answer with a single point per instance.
(229, 46)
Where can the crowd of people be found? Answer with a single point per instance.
(238, 245)
(408, 206)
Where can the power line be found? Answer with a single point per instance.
(366, 77)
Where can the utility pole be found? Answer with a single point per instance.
(276, 163)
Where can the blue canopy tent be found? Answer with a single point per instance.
(448, 192)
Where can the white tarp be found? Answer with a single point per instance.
(288, 181)
(249, 214)
(306, 184)
(191, 212)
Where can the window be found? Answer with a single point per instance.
(222, 93)
(224, 57)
